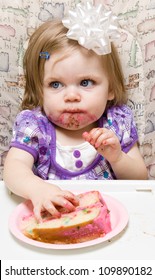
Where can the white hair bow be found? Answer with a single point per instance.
(94, 27)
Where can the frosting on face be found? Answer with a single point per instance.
(75, 120)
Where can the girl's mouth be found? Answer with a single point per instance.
(73, 111)
(74, 119)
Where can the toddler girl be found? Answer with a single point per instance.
(75, 123)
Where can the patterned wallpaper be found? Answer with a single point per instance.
(136, 48)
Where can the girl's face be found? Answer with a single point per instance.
(75, 89)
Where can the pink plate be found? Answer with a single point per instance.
(119, 219)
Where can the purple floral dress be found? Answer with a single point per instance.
(35, 134)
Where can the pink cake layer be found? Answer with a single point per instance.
(85, 223)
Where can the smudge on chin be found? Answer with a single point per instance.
(75, 120)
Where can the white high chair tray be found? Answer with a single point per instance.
(135, 241)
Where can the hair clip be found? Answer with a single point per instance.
(45, 55)
(94, 27)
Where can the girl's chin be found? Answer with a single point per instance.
(74, 121)
(70, 126)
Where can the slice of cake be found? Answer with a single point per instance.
(90, 220)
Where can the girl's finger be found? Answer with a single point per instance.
(71, 197)
(111, 141)
(103, 139)
(64, 203)
(86, 136)
(48, 205)
(37, 213)
(89, 135)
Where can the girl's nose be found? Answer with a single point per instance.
(72, 94)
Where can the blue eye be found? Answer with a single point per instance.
(86, 83)
(55, 84)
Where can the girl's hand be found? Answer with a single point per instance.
(45, 196)
(105, 142)
(50, 198)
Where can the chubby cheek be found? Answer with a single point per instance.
(50, 111)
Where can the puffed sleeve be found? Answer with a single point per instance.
(120, 120)
(26, 133)
(32, 133)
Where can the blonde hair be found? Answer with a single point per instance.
(51, 37)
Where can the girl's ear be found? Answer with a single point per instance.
(111, 95)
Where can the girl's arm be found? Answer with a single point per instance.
(130, 165)
(125, 165)
(20, 179)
